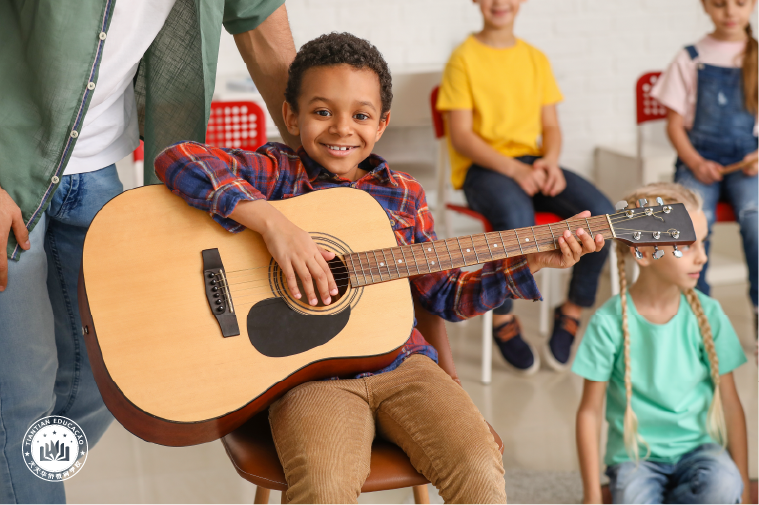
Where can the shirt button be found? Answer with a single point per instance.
(74, 134)
(55, 179)
(102, 35)
(90, 86)
(700, 66)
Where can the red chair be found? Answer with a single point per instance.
(648, 109)
(236, 124)
(443, 206)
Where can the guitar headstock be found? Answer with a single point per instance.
(653, 226)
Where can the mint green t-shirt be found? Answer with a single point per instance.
(672, 387)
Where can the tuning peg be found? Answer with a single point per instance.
(642, 202)
(621, 205)
(658, 253)
(659, 200)
(677, 253)
(638, 254)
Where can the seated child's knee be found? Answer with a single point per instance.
(717, 479)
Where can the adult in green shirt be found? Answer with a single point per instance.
(80, 83)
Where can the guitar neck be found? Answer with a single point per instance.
(381, 265)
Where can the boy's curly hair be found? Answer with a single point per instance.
(336, 49)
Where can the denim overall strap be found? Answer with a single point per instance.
(723, 130)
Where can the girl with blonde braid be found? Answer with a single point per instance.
(662, 354)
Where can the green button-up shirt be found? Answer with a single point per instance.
(50, 50)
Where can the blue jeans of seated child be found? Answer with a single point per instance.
(44, 369)
(505, 204)
(741, 193)
(706, 474)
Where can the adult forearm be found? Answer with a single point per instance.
(552, 143)
(588, 433)
(268, 51)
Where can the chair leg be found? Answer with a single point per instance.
(284, 497)
(262, 495)
(487, 347)
(613, 272)
(545, 306)
(421, 494)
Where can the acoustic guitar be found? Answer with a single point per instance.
(191, 329)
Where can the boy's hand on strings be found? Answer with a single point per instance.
(555, 181)
(528, 178)
(293, 249)
(707, 171)
(570, 249)
(753, 168)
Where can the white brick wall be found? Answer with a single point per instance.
(597, 48)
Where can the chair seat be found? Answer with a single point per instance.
(252, 451)
(725, 212)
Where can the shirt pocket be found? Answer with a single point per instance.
(403, 224)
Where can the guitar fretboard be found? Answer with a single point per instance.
(381, 265)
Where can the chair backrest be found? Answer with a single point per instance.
(437, 117)
(236, 124)
(648, 108)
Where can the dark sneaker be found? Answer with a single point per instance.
(559, 347)
(520, 356)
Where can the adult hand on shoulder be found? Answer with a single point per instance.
(555, 182)
(570, 249)
(707, 171)
(529, 179)
(752, 169)
(10, 218)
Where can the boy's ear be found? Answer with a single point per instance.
(291, 119)
(382, 126)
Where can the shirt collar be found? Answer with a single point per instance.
(376, 166)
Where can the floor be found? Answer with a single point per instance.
(534, 417)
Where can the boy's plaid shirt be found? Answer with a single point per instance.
(216, 179)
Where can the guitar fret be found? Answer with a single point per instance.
(416, 261)
(387, 265)
(553, 237)
(396, 263)
(369, 263)
(476, 256)
(503, 243)
(445, 241)
(537, 246)
(403, 255)
(349, 257)
(488, 246)
(519, 243)
(434, 249)
(589, 230)
(462, 251)
(376, 262)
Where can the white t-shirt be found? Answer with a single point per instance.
(109, 131)
(677, 88)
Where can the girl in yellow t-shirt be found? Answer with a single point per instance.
(499, 97)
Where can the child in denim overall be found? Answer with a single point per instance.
(711, 92)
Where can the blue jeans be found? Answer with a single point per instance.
(706, 474)
(741, 193)
(505, 204)
(44, 369)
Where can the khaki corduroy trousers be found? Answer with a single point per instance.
(323, 433)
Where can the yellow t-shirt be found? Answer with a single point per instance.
(505, 89)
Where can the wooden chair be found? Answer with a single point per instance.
(252, 452)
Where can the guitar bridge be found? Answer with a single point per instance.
(217, 292)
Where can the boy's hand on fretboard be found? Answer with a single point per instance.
(570, 249)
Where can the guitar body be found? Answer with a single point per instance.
(164, 368)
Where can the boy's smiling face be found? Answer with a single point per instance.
(499, 13)
(338, 118)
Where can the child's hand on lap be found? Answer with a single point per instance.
(753, 168)
(555, 182)
(570, 250)
(529, 179)
(707, 171)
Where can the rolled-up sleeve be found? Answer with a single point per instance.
(244, 15)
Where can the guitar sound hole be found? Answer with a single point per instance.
(339, 273)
